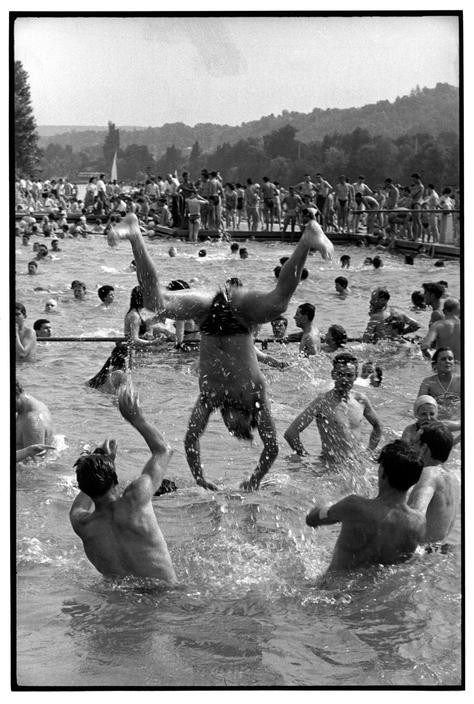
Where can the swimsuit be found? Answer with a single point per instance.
(221, 320)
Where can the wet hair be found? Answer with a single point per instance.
(21, 308)
(418, 299)
(345, 258)
(242, 252)
(307, 309)
(177, 285)
(202, 253)
(434, 358)
(434, 288)
(234, 281)
(103, 291)
(439, 263)
(304, 274)
(342, 281)
(239, 421)
(283, 260)
(377, 262)
(76, 283)
(39, 323)
(33, 263)
(383, 292)
(116, 361)
(368, 260)
(95, 473)
(234, 247)
(443, 283)
(136, 298)
(451, 305)
(439, 440)
(401, 465)
(345, 358)
(338, 334)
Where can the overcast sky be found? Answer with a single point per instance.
(148, 71)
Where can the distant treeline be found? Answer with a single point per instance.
(278, 155)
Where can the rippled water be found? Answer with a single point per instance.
(252, 609)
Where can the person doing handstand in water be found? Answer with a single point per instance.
(229, 375)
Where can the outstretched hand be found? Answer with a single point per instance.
(129, 403)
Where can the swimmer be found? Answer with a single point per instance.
(229, 376)
(447, 332)
(234, 247)
(342, 286)
(338, 414)
(445, 384)
(51, 306)
(106, 294)
(33, 420)
(335, 339)
(172, 252)
(370, 375)
(345, 261)
(25, 337)
(279, 326)
(113, 373)
(436, 494)
(32, 268)
(377, 262)
(243, 253)
(188, 336)
(136, 328)
(119, 531)
(55, 246)
(202, 253)
(433, 293)
(310, 339)
(384, 530)
(42, 328)
(368, 261)
(379, 311)
(79, 290)
(425, 410)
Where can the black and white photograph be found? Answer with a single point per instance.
(236, 305)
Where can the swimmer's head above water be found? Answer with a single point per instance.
(95, 472)
(400, 465)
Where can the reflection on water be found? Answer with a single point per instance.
(253, 607)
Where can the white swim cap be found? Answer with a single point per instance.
(424, 401)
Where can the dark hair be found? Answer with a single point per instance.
(283, 260)
(415, 175)
(136, 298)
(177, 285)
(202, 253)
(21, 308)
(345, 258)
(345, 358)
(243, 250)
(439, 440)
(378, 375)
(76, 283)
(338, 334)
(33, 263)
(342, 281)
(304, 274)
(234, 281)
(401, 465)
(239, 421)
(383, 292)
(368, 260)
(307, 309)
(116, 361)
(443, 283)
(439, 263)
(434, 358)
(234, 247)
(103, 291)
(434, 288)
(377, 262)
(95, 473)
(408, 259)
(418, 299)
(280, 318)
(38, 323)
(276, 271)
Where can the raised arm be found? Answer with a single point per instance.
(422, 492)
(143, 488)
(292, 434)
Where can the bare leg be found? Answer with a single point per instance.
(147, 277)
(196, 426)
(267, 431)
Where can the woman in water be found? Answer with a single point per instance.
(112, 374)
(445, 384)
(136, 328)
(425, 410)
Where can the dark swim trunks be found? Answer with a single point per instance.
(221, 320)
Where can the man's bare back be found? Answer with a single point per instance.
(33, 422)
(120, 532)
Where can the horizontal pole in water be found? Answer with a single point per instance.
(82, 339)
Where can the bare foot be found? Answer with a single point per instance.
(314, 236)
(126, 229)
